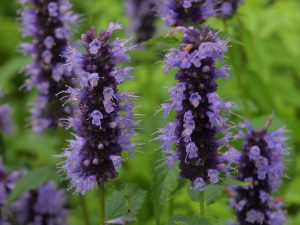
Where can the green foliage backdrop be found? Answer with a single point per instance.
(265, 60)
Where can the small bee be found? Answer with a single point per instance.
(188, 48)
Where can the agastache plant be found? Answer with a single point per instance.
(45, 205)
(48, 23)
(227, 8)
(186, 12)
(199, 117)
(261, 165)
(103, 120)
(194, 12)
(142, 16)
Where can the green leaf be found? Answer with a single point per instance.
(31, 181)
(115, 205)
(134, 198)
(228, 181)
(188, 220)
(125, 202)
(165, 182)
(211, 194)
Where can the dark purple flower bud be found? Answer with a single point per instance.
(142, 16)
(186, 12)
(260, 164)
(43, 206)
(200, 127)
(48, 23)
(103, 121)
(227, 8)
(5, 120)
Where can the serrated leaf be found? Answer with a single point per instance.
(212, 193)
(188, 220)
(125, 202)
(165, 182)
(31, 181)
(115, 205)
(134, 198)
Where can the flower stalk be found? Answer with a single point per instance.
(102, 204)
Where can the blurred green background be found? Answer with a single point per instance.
(265, 61)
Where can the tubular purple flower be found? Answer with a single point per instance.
(142, 16)
(261, 164)
(48, 23)
(199, 109)
(103, 121)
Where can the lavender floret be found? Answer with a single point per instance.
(200, 111)
(261, 164)
(103, 121)
(48, 23)
(142, 17)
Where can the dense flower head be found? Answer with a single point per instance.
(186, 12)
(142, 18)
(201, 126)
(5, 120)
(227, 8)
(42, 206)
(193, 12)
(261, 165)
(103, 121)
(48, 23)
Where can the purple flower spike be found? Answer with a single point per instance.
(187, 12)
(103, 120)
(227, 8)
(260, 164)
(200, 127)
(45, 205)
(194, 12)
(48, 23)
(142, 16)
(5, 120)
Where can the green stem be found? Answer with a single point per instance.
(84, 210)
(171, 207)
(202, 205)
(102, 204)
